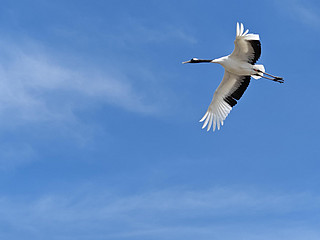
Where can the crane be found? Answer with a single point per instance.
(239, 68)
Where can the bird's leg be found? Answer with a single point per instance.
(275, 78)
(257, 70)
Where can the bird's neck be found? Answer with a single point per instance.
(218, 60)
(204, 60)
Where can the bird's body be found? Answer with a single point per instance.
(235, 66)
(239, 68)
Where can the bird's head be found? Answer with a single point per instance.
(193, 60)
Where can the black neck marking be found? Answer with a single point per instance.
(199, 60)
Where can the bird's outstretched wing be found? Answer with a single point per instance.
(247, 46)
(225, 97)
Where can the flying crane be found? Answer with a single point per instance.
(239, 68)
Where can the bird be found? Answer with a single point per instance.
(239, 68)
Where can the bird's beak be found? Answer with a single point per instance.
(186, 62)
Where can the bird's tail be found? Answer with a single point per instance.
(258, 74)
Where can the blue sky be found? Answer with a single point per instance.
(99, 131)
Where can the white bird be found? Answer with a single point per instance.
(239, 67)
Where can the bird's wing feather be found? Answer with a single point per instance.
(225, 97)
(247, 46)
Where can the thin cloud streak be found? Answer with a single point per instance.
(35, 88)
(166, 214)
(133, 31)
(304, 12)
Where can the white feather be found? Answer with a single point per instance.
(237, 31)
(241, 29)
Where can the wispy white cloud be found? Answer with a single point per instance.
(168, 214)
(35, 87)
(166, 33)
(134, 31)
(307, 14)
(304, 12)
